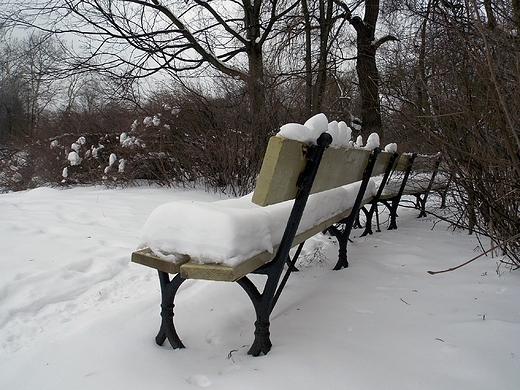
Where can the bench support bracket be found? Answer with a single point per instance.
(264, 303)
(393, 203)
(369, 213)
(168, 290)
(421, 198)
(342, 229)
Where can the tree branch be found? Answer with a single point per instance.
(382, 41)
(476, 257)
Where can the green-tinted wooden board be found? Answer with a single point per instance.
(147, 257)
(383, 159)
(403, 162)
(284, 160)
(424, 163)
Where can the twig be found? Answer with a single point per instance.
(510, 264)
(230, 355)
(479, 241)
(435, 224)
(476, 257)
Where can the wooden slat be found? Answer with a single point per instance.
(285, 160)
(403, 162)
(224, 273)
(339, 167)
(424, 163)
(381, 163)
(147, 257)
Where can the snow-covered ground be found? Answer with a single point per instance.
(76, 314)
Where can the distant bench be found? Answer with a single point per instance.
(340, 181)
(413, 174)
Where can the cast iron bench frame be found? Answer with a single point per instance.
(366, 162)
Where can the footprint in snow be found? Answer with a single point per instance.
(212, 338)
(231, 368)
(362, 311)
(198, 380)
(501, 290)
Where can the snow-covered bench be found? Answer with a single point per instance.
(412, 174)
(301, 190)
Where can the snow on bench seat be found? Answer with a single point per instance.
(414, 185)
(418, 181)
(235, 235)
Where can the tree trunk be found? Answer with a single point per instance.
(256, 91)
(255, 82)
(366, 68)
(423, 103)
(325, 26)
(308, 59)
(369, 86)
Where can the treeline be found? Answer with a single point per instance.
(60, 127)
(431, 75)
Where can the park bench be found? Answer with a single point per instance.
(314, 188)
(411, 174)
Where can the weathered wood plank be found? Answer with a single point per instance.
(339, 167)
(383, 159)
(147, 257)
(224, 273)
(403, 162)
(424, 163)
(284, 160)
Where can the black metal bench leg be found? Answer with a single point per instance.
(262, 342)
(167, 329)
(342, 254)
(342, 237)
(262, 304)
(392, 208)
(421, 205)
(357, 221)
(343, 234)
(368, 217)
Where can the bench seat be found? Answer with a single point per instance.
(414, 185)
(167, 253)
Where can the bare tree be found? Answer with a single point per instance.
(138, 38)
(307, 52)
(465, 104)
(317, 71)
(27, 83)
(366, 67)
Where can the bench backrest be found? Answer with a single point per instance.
(403, 162)
(284, 161)
(420, 162)
(426, 163)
